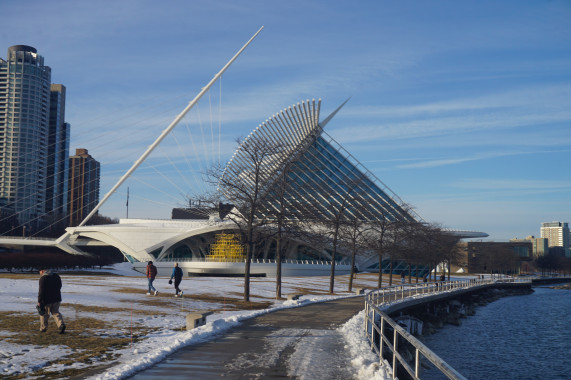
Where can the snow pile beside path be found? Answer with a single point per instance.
(364, 360)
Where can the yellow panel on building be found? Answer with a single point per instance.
(226, 247)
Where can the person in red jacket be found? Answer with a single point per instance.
(151, 274)
(49, 300)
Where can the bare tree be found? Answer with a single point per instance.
(408, 249)
(284, 217)
(333, 225)
(352, 232)
(449, 248)
(547, 263)
(378, 240)
(245, 184)
(431, 252)
(501, 258)
(414, 252)
(440, 247)
(430, 236)
(328, 214)
(400, 237)
(390, 238)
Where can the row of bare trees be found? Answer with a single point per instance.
(551, 263)
(285, 194)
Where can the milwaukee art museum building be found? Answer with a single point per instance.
(304, 173)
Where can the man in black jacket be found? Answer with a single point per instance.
(49, 299)
(177, 275)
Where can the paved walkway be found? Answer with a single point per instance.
(289, 343)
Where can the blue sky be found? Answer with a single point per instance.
(462, 108)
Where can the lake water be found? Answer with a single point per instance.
(516, 337)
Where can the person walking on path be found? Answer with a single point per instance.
(177, 275)
(49, 300)
(151, 274)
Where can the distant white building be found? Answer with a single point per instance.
(557, 235)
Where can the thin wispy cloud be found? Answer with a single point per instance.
(512, 184)
(552, 96)
(458, 160)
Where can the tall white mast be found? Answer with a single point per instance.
(167, 130)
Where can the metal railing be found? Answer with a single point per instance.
(255, 261)
(384, 334)
(26, 238)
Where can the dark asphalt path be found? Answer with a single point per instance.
(295, 343)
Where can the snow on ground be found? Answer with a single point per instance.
(124, 305)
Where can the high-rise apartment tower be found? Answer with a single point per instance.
(58, 156)
(83, 185)
(24, 130)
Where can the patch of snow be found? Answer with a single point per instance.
(22, 358)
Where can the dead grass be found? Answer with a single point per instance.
(130, 290)
(20, 276)
(86, 337)
(79, 308)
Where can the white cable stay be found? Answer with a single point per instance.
(168, 130)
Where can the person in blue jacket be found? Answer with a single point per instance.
(177, 275)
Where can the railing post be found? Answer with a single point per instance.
(395, 348)
(381, 340)
(373, 329)
(366, 315)
(417, 363)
